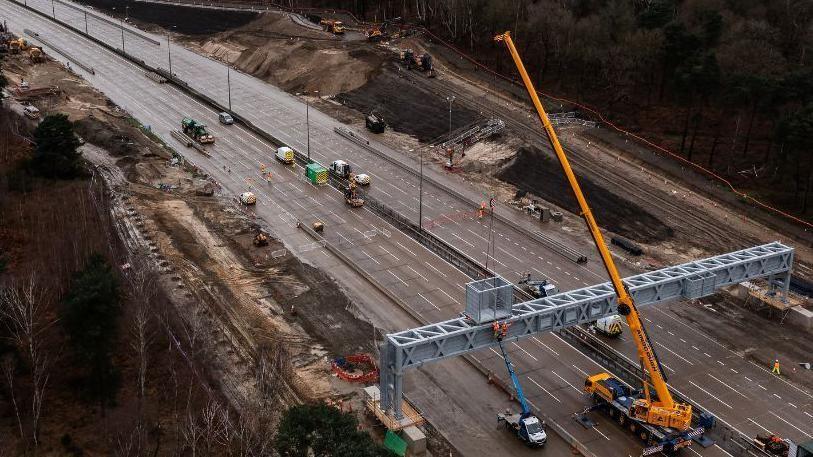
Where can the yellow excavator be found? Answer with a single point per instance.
(661, 421)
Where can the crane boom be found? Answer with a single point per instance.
(526, 411)
(665, 411)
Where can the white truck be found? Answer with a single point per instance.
(609, 326)
(341, 168)
(285, 155)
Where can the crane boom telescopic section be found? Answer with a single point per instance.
(664, 411)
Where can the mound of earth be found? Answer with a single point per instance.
(296, 58)
(531, 169)
(407, 108)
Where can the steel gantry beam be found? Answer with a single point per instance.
(430, 343)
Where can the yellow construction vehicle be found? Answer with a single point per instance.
(351, 195)
(35, 54)
(333, 26)
(663, 421)
(15, 46)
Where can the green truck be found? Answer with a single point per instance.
(316, 173)
(197, 131)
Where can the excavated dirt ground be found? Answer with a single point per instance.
(407, 108)
(534, 171)
(295, 58)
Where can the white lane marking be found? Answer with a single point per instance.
(584, 373)
(783, 420)
(509, 254)
(405, 248)
(390, 253)
(416, 272)
(566, 381)
(748, 379)
(791, 404)
(526, 352)
(543, 389)
(396, 277)
(450, 297)
(599, 432)
(755, 423)
(438, 271)
(428, 301)
(762, 387)
(461, 239)
(675, 353)
(808, 414)
(711, 395)
(723, 383)
(370, 257)
(777, 396)
(545, 345)
(478, 236)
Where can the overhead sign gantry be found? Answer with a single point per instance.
(492, 298)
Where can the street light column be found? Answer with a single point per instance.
(228, 83)
(420, 196)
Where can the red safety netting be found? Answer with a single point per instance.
(356, 368)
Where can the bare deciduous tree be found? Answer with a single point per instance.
(22, 309)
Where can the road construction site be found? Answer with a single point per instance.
(712, 350)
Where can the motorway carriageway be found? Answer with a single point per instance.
(740, 393)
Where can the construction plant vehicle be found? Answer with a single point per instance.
(352, 196)
(375, 123)
(538, 288)
(197, 131)
(36, 55)
(333, 26)
(16, 45)
(341, 168)
(260, 239)
(285, 155)
(524, 424)
(608, 326)
(420, 62)
(661, 422)
(248, 198)
(772, 444)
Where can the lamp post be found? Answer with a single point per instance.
(420, 195)
(228, 82)
(450, 100)
(308, 124)
(53, 9)
(169, 48)
(86, 23)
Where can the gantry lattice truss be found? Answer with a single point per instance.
(415, 347)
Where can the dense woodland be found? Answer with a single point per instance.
(726, 83)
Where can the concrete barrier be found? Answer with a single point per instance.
(66, 54)
(111, 22)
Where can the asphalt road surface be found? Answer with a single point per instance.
(744, 395)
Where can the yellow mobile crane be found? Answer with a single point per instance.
(662, 416)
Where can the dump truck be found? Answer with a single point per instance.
(333, 26)
(316, 173)
(196, 130)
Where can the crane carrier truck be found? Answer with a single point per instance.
(662, 423)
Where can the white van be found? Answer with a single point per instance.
(285, 155)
